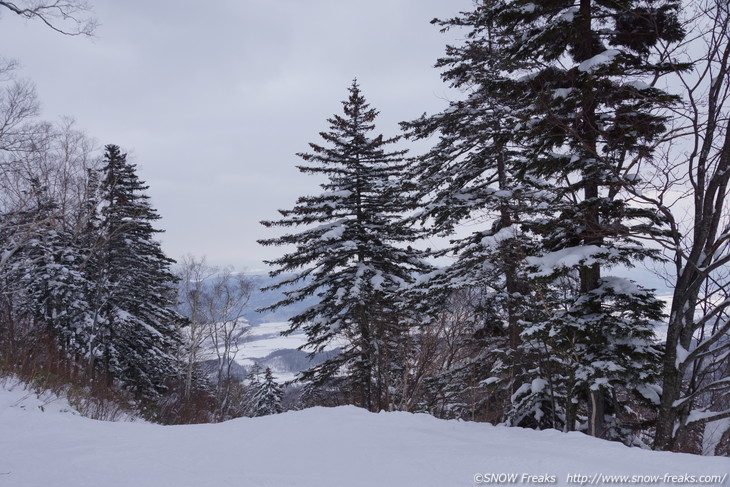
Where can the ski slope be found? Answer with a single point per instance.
(42, 444)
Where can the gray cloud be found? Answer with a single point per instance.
(214, 101)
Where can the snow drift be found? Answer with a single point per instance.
(44, 445)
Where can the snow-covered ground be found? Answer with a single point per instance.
(317, 447)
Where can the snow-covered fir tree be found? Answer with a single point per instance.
(469, 177)
(589, 121)
(90, 275)
(52, 283)
(565, 112)
(133, 325)
(265, 394)
(348, 254)
(42, 271)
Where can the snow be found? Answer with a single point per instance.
(570, 257)
(714, 431)
(538, 385)
(650, 392)
(700, 414)
(316, 447)
(639, 85)
(563, 93)
(569, 14)
(14, 396)
(337, 231)
(529, 8)
(621, 285)
(682, 355)
(503, 234)
(606, 57)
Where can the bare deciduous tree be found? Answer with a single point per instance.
(18, 109)
(214, 300)
(193, 274)
(689, 188)
(69, 17)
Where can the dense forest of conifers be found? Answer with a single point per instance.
(589, 137)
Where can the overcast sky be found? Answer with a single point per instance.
(213, 99)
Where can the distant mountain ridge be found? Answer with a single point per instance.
(261, 299)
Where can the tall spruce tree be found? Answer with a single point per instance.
(347, 253)
(470, 177)
(572, 86)
(133, 327)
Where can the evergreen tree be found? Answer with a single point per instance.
(471, 176)
(348, 253)
(266, 395)
(562, 110)
(54, 286)
(588, 124)
(42, 271)
(133, 327)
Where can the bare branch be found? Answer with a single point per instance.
(68, 17)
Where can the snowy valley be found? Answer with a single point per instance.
(262, 344)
